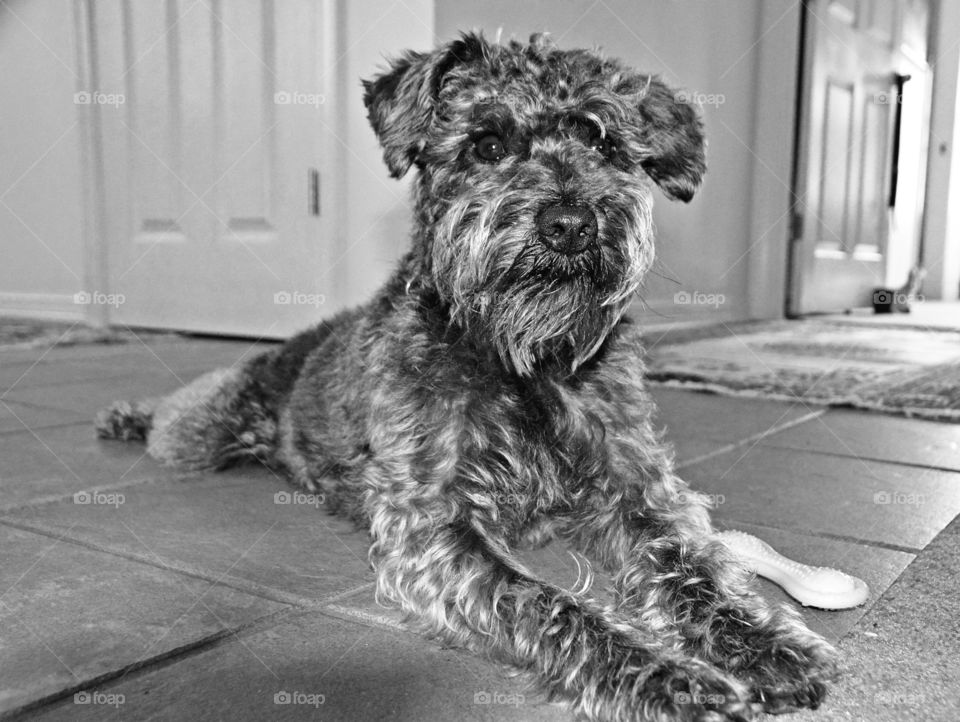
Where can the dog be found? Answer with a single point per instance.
(491, 396)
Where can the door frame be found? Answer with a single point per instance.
(768, 272)
(941, 218)
(801, 164)
(95, 243)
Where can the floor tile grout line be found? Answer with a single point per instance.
(44, 427)
(208, 643)
(254, 589)
(204, 644)
(60, 498)
(730, 521)
(364, 617)
(157, 661)
(753, 438)
(95, 362)
(17, 395)
(870, 459)
(46, 384)
(186, 369)
(46, 407)
(103, 349)
(332, 599)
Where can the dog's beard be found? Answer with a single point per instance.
(533, 305)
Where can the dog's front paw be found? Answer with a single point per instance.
(694, 691)
(793, 672)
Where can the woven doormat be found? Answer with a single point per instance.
(897, 370)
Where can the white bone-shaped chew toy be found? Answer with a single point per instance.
(820, 587)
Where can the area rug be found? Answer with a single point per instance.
(18, 333)
(897, 370)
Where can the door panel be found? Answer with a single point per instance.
(880, 19)
(835, 167)
(873, 191)
(247, 93)
(153, 95)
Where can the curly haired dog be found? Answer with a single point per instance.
(491, 394)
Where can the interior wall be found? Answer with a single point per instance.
(713, 50)
(375, 208)
(41, 207)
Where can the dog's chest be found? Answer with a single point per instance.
(535, 443)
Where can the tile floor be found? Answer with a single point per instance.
(128, 591)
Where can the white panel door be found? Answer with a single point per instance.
(213, 163)
(851, 220)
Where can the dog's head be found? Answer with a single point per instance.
(534, 197)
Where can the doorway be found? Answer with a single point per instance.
(861, 152)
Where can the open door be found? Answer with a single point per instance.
(861, 151)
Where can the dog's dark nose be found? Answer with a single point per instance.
(567, 229)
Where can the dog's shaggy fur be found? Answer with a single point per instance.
(492, 394)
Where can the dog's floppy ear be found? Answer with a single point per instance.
(673, 136)
(401, 101)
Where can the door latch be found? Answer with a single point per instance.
(313, 193)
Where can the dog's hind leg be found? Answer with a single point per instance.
(212, 422)
(226, 416)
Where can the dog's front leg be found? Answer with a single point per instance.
(656, 540)
(459, 581)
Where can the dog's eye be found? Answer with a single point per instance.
(604, 146)
(491, 148)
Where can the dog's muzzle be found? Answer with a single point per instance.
(567, 229)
